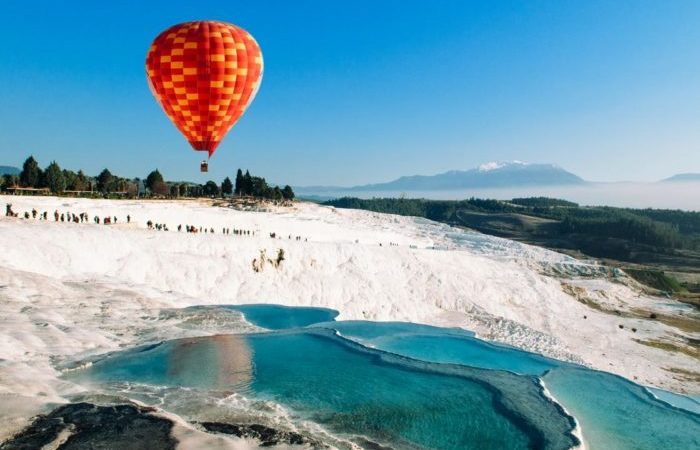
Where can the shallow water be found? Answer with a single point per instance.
(613, 412)
(278, 317)
(616, 413)
(398, 384)
(688, 403)
(443, 346)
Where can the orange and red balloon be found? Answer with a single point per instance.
(204, 74)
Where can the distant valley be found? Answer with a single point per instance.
(506, 180)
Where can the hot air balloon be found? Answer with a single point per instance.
(204, 74)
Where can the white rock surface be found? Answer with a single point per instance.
(68, 290)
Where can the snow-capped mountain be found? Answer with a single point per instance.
(495, 165)
(487, 175)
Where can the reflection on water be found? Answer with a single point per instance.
(445, 395)
(352, 390)
(219, 361)
(222, 362)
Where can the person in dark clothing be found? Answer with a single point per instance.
(63, 219)
(33, 213)
(128, 218)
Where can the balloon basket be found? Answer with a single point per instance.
(204, 166)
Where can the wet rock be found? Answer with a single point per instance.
(82, 426)
(267, 436)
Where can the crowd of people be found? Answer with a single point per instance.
(84, 217)
(58, 216)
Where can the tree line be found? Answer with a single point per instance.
(246, 184)
(659, 228)
(57, 180)
(63, 181)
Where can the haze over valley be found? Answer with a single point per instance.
(506, 180)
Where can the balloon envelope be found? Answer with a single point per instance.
(204, 74)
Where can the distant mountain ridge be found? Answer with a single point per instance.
(9, 170)
(682, 177)
(488, 175)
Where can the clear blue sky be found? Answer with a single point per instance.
(367, 90)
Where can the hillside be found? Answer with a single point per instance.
(682, 177)
(9, 170)
(368, 266)
(663, 240)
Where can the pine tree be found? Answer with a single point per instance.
(70, 177)
(105, 181)
(259, 187)
(55, 180)
(247, 184)
(239, 182)
(226, 187)
(81, 182)
(288, 193)
(211, 189)
(31, 173)
(153, 178)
